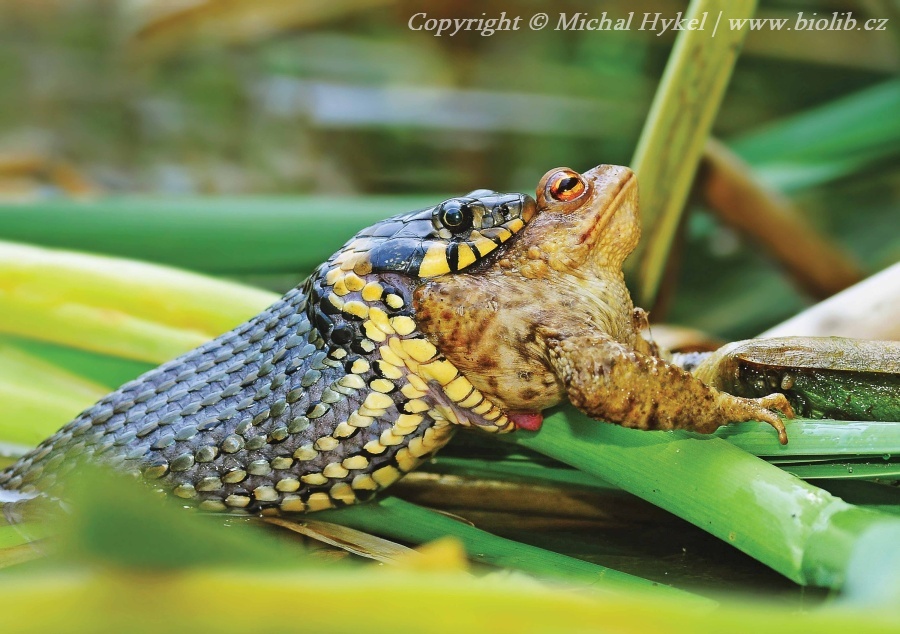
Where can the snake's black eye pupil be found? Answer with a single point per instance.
(456, 215)
(453, 217)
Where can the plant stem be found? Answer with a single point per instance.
(801, 531)
(210, 234)
(115, 306)
(677, 127)
(400, 520)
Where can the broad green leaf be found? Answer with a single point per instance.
(832, 140)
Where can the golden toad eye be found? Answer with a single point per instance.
(565, 186)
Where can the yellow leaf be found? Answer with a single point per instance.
(115, 306)
(37, 397)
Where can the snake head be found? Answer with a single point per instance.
(450, 237)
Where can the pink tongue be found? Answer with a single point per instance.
(531, 421)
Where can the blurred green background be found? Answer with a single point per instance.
(201, 98)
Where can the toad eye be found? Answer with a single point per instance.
(566, 186)
(456, 215)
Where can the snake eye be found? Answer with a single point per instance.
(565, 186)
(456, 215)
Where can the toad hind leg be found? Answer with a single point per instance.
(609, 381)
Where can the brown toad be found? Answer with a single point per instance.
(550, 318)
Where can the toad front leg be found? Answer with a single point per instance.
(609, 381)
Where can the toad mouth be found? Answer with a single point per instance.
(592, 236)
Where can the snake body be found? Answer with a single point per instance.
(325, 397)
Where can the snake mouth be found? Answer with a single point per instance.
(529, 208)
